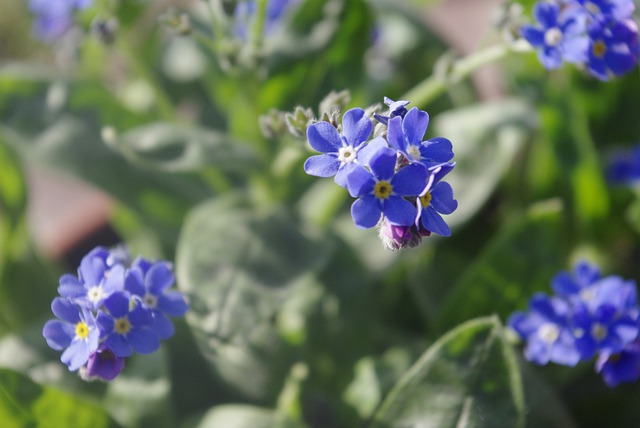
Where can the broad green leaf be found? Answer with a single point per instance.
(518, 261)
(24, 403)
(176, 148)
(240, 266)
(468, 378)
(244, 416)
(485, 139)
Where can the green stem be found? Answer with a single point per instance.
(257, 30)
(434, 85)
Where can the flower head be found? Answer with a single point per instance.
(613, 48)
(102, 364)
(396, 109)
(620, 367)
(436, 199)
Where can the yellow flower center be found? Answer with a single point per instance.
(122, 325)
(599, 48)
(382, 190)
(598, 331)
(425, 199)
(82, 330)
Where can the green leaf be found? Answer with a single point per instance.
(24, 403)
(240, 266)
(174, 148)
(520, 260)
(485, 138)
(468, 378)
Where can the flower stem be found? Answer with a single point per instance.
(434, 85)
(257, 29)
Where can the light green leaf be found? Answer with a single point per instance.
(244, 416)
(468, 378)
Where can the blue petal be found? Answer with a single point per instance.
(371, 148)
(356, 127)
(550, 57)
(119, 345)
(442, 198)
(70, 286)
(92, 269)
(159, 278)
(415, 124)
(576, 49)
(133, 282)
(399, 211)
(410, 180)
(173, 304)
(322, 165)
(620, 62)
(58, 334)
(598, 68)
(162, 326)
(76, 355)
(564, 284)
(546, 14)
(114, 280)
(440, 171)
(117, 304)
(323, 137)
(395, 135)
(343, 173)
(360, 182)
(433, 222)
(437, 150)
(105, 323)
(383, 163)
(140, 317)
(533, 35)
(65, 310)
(366, 212)
(143, 341)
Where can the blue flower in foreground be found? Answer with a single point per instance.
(572, 283)
(613, 48)
(380, 191)
(622, 367)
(97, 279)
(559, 35)
(435, 199)
(75, 331)
(103, 364)
(405, 135)
(340, 151)
(148, 284)
(54, 17)
(125, 330)
(546, 331)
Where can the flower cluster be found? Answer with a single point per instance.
(54, 17)
(588, 316)
(111, 310)
(395, 176)
(600, 35)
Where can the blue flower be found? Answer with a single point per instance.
(246, 10)
(435, 199)
(396, 109)
(380, 190)
(75, 331)
(148, 284)
(54, 17)
(613, 48)
(100, 274)
(559, 36)
(103, 364)
(546, 331)
(624, 167)
(340, 151)
(125, 329)
(617, 368)
(618, 9)
(572, 283)
(405, 135)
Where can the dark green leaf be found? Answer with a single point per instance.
(468, 378)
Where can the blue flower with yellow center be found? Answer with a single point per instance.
(436, 199)
(381, 191)
(75, 332)
(613, 48)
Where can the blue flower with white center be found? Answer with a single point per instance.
(622, 367)
(380, 190)
(149, 285)
(102, 364)
(75, 331)
(546, 331)
(559, 35)
(613, 48)
(125, 329)
(436, 199)
(396, 109)
(618, 9)
(570, 284)
(99, 275)
(54, 17)
(405, 135)
(340, 151)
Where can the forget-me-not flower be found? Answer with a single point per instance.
(613, 48)
(436, 199)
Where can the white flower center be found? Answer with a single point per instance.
(553, 36)
(587, 294)
(346, 154)
(598, 331)
(414, 152)
(549, 333)
(150, 300)
(592, 8)
(94, 294)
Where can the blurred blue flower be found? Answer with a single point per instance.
(340, 151)
(103, 364)
(148, 284)
(75, 331)
(125, 329)
(546, 331)
(380, 190)
(246, 10)
(405, 135)
(436, 199)
(622, 367)
(613, 48)
(569, 284)
(54, 17)
(559, 34)
(624, 167)
(618, 9)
